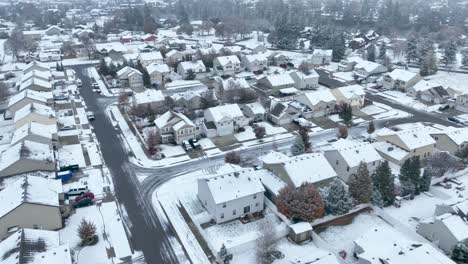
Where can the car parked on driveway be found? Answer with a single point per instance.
(453, 119)
(90, 115)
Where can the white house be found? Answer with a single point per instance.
(321, 57)
(384, 245)
(353, 95)
(36, 132)
(158, 73)
(275, 82)
(226, 65)
(36, 84)
(451, 139)
(147, 58)
(149, 98)
(36, 65)
(461, 102)
(400, 79)
(345, 155)
(422, 85)
(174, 56)
(365, 69)
(281, 113)
(320, 103)
(223, 120)
(305, 81)
(255, 62)
(254, 111)
(174, 127)
(26, 97)
(229, 196)
(43, 75)
(130, 77)
(35, 113)
(194, 66)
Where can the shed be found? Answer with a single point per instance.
(300, 232)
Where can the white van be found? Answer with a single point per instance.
(77, 191)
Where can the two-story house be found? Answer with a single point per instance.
(175, 127)
(255, 62)
(400, 79)
(224, 120)
(226, 65)
(353, 95)
(158, 73)
(130, 77)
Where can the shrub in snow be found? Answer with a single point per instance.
(408, 189)
(371, 127)
(232, 157)
(87, 233)
(342, 132)
(377, 198)
(383, 180)
(265, 247)
(360, 185)
(260, 132)
(300, 204)
(425, 183)
(298, 147)
(460, 253)
(442, 162)
(336, 198)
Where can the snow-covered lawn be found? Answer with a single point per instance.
(342, 237)
(171, 150)
(452, 80)
(248, 134)
(404, 99)
(206, 143)
(70, 155)
(373, 109)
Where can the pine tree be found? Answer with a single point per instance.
(460, 253)
(383, 180)
(371, 52)
(450, 53)
(360, 184)
(103, 69)
(87, 232)
(336, 198)
(411, 52)
(346, 113)
(429, 64)
(371, 127)
(410, 174)
(407, 188)
(377, 199)
(305, 139)
(338, 48)
(298, 147)
(383, 51)
(425, 182)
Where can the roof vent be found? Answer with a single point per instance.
(236, 174)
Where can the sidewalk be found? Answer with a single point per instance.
(93, 73)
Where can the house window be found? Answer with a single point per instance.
(246, 209)
(373, 163)
(224, 205)
(347, 168)
(436, 138)
(337, 162)
(222, 216)
(206, 203)
(257, 204)
(234, 212)
(255, 196)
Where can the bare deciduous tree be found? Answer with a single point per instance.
(266, 242)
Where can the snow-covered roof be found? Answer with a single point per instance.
(256, 108)
(31, 94)
(195, 66)
(455, 224)
(354, 152)
(34, 246)
(148, 96)
(176, 120)
(225, 60)
(312, 75)
(218, 113)
(172, 53)
(424, 85)
(183, 85)
(391, 150)
(274, 157)
(352, 91)
(30, 189)
(457, 135)
(322, 52)
(149, 56)
(311, 168)
(44, 75)
(231, 84)
(402, 75)
(317, 97)
(301, 227)
(256, 57)
(161, 68)
(367, 66)
(39, 64)
(111, 46)
(385, 243)
(34, 108)
(234, 185)
(411, 138)
(280, 79)
(25, 150)
(272, 182)
(33, 128)
(189, 94)
(126, 71)
(35, 81)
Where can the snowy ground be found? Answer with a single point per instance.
(404, 99)
(452, 80)
(383, 112)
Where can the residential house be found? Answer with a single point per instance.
(279, 59)
(275, 82)
(254, 111)
(173, 57)
(321, 57)
(226, 65)
(185, 67)
(347, 65)
(319, 103)
(36, 85)
(385, 245)
(435, 95)
(109, 48)
(25, 97)
(174, 127)
(345, 155)
(130, 77)
(281, 113)
(158, 73)
(30, 202)
(147, 58)
(400, 145)
(35, 65)
(366, 69)
(260, 48)
(400, 79)
(227, 88)
(149, 98)
(193, 99)
(223, 120)
(53, 30)
(451, 139)
(312, 168)
(448, 226)
(461, 102)
(304, 81)
(37, 74)
(36, 132)
(180, 86)
(254, 62)
(34, 246)
(230, 196)
(353, 95)
(34, 112)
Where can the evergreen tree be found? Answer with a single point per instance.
(383, 180)
(383, 51)
(103, 69)
(305, 139)
(465, 58)
(407, 188)
(450, 53)
(338, 48)
(336, 198)
(460, 253)
(425, 183)
(371, 52)
(57, 66)
(410, 174)
(371, 127)
(360, 184)
(286, 33)
(429, 64)
(376, 198)
(411, 52)
(346, 113)
(298, 147)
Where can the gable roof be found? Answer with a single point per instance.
(35, 81)
(351, 91)
(411, 138)
(424, 85)
(193, 65)
(234, 185)
(148, 96)
(317, 97)
(148, 56)
(31, 94)
(457, 135)
(225, 60)
(33, 128)
(230, 111)
(280, 79)
(34, 108)
(354, 152)
(402, 75)
(161, 68)
(311, 168)
(176, 120)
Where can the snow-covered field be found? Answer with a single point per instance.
(404, 99)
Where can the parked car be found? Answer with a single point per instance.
(65, 128)
(86, 201)
(186, 145)
(194, 143)
(60, 97)
(443, 108)
(64, 175)
(95, 85)
(90, 115)
(97, 90)
(89, 195)
(453, 119)
(77, 191)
